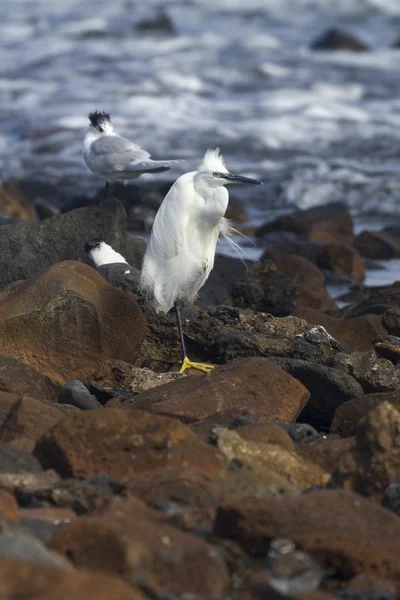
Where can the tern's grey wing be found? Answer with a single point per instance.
(118, 155)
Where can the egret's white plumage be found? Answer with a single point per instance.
(115, 157)
(180, 254)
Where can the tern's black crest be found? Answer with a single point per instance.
(97, 119)
(92, 245)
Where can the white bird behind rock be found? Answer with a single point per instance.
(181, 251)
(115, 157)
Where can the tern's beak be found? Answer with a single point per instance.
(240, 178)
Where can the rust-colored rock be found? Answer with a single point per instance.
(14, 204)
(348, 415)
(378, 244)
(355, 334)
(391, 321)
(29, 419)
(325, 223)
(267, 433)
(22, 579)
(48, 514)
(150, 552)
(8, 506)
(374, 462)
(339, 528)
(325, 453)
(123, 443)
(373, 585)
(116, 374)
(19, 378)
(256, 384)
(307, 278)
(67, 319)
(182, 485)
(260, 457)
(343, 259)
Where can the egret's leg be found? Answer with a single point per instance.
(186, 363)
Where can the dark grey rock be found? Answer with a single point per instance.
(374, 374)
(78, 495)
(373, 309)
(76, 394)
(217, 288)
(391, 498)
(28, 548)
(106, 485)
(160, 24)
(337, 39)
(135, 250)
(301, 433)
(17, 461)
(41, 530)
(328, 387)
(26, 248)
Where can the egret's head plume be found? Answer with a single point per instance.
(213, 161)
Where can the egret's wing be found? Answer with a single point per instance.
(169, 228)
(115, 153)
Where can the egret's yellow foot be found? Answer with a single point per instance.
(188, 364)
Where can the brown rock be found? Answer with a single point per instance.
(14, 205)
(29, 419)
(374, 462)
(66, 320)
(7, 401)
(388, 347)
(391, 321)
(19, 378)
(116, 374)
(263, 288)
(182, 485)
(22, 579)
(48, 514)
(267, 433)
(268, 457)
(378, 244)
(308, 280)
(333, 219)
(257, 384)
(8, 506)
(373, 584)
(152, 553)
(343, 259)
(123, 443)
(348, 415)
(21, 444)
(325, 453)
(339, 528)
(355, 334)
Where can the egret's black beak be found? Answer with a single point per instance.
(240, 178)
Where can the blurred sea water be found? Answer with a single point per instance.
(314, 126)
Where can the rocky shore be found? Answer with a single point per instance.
(122, 479)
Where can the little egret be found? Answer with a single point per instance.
(180, 254)
(115, 157)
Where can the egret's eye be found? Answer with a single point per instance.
(216, 174)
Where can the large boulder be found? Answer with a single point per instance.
(349, 414)
(121, 443)
(26, 248)
(65, 320)
(256, 384)
(374, 462)
(338, 527)
(325, 223)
